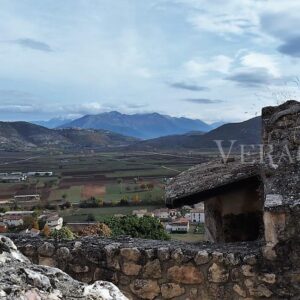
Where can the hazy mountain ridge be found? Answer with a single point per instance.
(26, 136)
(144, 126)
(23, 136)
(53, 123)
(247, 132)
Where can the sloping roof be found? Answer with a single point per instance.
(209, 176)
(180, 221)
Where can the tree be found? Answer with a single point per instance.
(46, 230)
(68, 204)
(30, 222)
(124, 202)
(136, 199)
(150, 186)
(145, 227)
(120, 182)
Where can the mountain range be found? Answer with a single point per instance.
(27, 136)
(247, 132)
(142, 126)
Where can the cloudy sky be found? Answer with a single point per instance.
(212, 60)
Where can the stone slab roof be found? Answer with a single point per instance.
(209, 176)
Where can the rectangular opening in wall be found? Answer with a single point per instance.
(234, 214)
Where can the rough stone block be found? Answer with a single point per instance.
(240, 291)
(185, 274)
(202, 257)
(217, 273)
(152, 269)
(163, 253)
(145, 289)
(171, 290)
(130, 268)
(132, 254)
(47, 249)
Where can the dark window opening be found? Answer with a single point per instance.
(235, 214)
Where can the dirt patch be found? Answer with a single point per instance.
(89, 191)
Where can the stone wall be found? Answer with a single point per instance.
(145, 269)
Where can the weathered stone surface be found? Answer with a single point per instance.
(29, 250)
(193, 293)
(152, 269)
(206, 176)
(202, 257)
(177, 255)
(131, 268)
(79, 269)
(247, 271)
(250, 260)
(163, 253)
(63, 253)
(185, 274)
(236, 274)
(259, 290)
(268, 278)
(217, 257)
(171, 290)
(47, 249)
(241, 292)
(269, 252)
(112, 256)
(130, 254)
(217, 273)
(20, 279)
(149, 253)
(231, 259)
(145, 289)
(47, 261)
(77, 245)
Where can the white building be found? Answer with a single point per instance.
(19, 212)
(55, 222)
(180, 225)
(12, 177)
(139, 212)
(13, 220)
(21, 198)
(162, 214)
(40, 173)
(197, 215)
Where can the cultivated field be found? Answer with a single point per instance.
(138, 178)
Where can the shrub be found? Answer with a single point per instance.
(146, 227)
(99, 229)
(63, 234)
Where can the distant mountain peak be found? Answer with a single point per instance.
(143, 126)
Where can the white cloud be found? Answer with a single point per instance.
(260, 60)
(198, 67)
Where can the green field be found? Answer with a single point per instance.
(136, 177)
(80, 214)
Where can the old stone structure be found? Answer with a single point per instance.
(146, 269)
(266, 268)
(232, 194)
